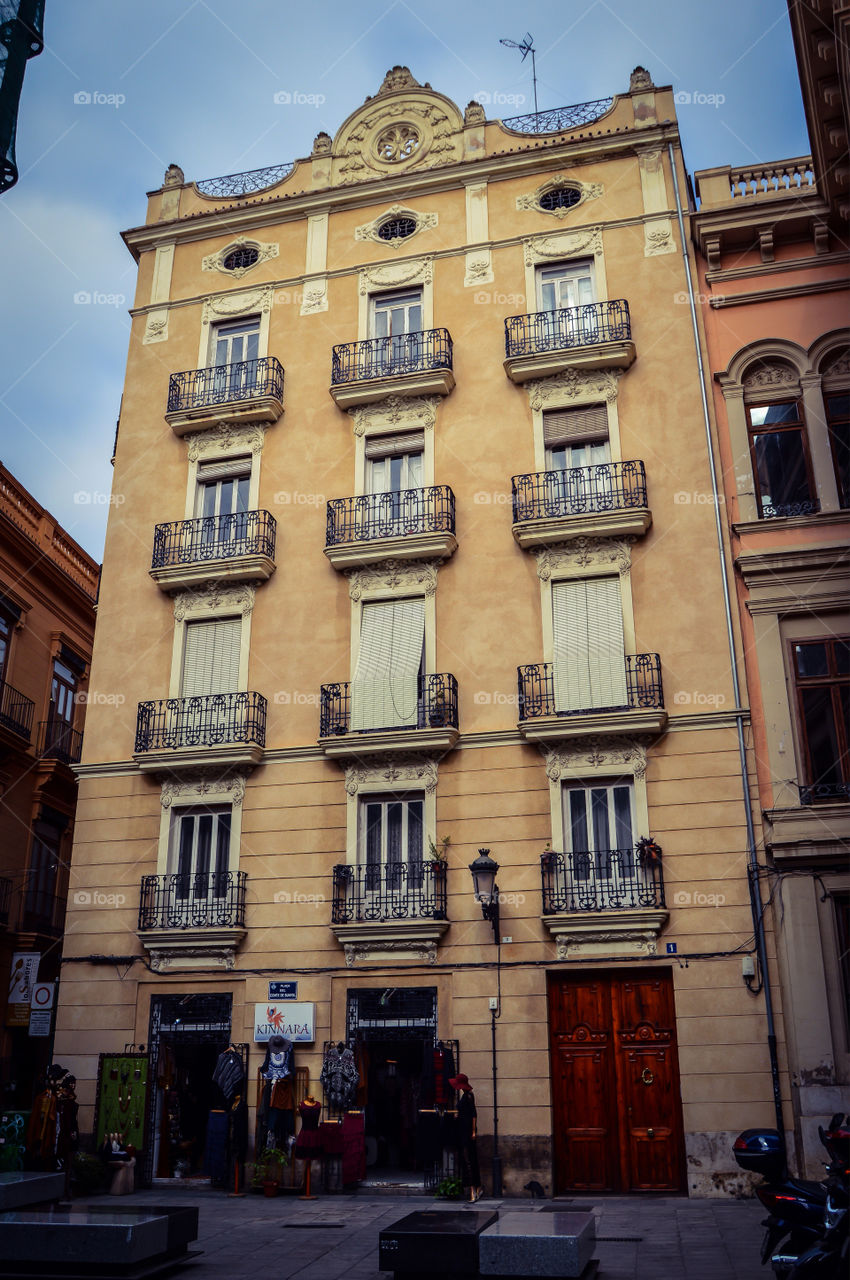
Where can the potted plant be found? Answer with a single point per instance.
(449, 1189)
(439, 851)
(268, 1169)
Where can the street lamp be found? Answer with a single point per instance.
(484, 871)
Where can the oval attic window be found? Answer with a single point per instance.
(559, 198)
(239, 259)
(397, 228)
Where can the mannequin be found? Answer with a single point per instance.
(309, 1142)
(468, 1124)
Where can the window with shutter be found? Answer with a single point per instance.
(588, 657)
(385, 688)
(211, 657)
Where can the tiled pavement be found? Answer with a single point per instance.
(336, 1236)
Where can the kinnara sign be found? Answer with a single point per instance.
(294, 1020)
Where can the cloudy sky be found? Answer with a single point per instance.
(124, 87)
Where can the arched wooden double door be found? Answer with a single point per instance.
(617, 1115)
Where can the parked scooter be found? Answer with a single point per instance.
(795, 1206)
(806, 1236)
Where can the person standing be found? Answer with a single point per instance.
(467, 1117)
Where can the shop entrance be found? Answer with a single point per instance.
(187, 1034)
(616, 1102)
(393, 1032)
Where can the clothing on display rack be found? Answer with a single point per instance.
(229, 1073)
(277, 1064)
(438, 1067)
(339, 1077)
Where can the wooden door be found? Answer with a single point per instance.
(615, 1083)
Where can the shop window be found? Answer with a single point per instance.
(822, 677)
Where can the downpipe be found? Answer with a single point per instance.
(756, 904)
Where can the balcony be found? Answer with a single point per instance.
(431, 727)
(213, 730)
(58, 740)
(411, 364)
(607, 500)
(16, 714)
(603, 903)
(42, 913)
(595, 336)
(246, 391)
(5, 901)
(192, 921)
(236, 548)
(397, 906)
(823, 792)
(542, 719)
(415, 524)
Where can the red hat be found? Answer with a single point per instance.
(461, 1082)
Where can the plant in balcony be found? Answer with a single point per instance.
(439, 851)
(440, 708)
(648, 853)
(268, 1170)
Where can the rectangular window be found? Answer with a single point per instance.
(385, 689)
(211, 657)
(40, 896)
(568, 284)
(394, 463)
(588, 654)
(599, 828)
(391, 844)
(780, 457)
(822, 676)
(221, 502)
(394, 314)
(234, 352)
(200, 853)
(838, 424)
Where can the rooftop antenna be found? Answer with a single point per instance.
(526, 47)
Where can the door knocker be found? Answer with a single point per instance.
(646, 1076)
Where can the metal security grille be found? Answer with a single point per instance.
(559, 198)
(396, 228)
(392, 1013)
(241, 258)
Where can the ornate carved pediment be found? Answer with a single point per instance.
(837, 366)
(200, 785)
(579, 554)
(395, 411)
(213, 598)
(240, 303)
(224, 440)
(770, 373)
(627, 754)
(562, 244)
(583, 386)
(388, 275)
(389, 773)
(392, 576)
(404, 126)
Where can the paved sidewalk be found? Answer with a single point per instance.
(336, 1236)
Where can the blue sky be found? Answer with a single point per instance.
(194, 82)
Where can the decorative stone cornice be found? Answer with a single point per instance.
(390, 577)
(386, 275)
(214, 598)
(412, 769)
(579, 554)
(596, 753)
(581, 385)
(771, 374)
(199, 785)
(225, 439)
(402, 412)
(215, 261)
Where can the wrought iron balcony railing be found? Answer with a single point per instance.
(389, 891)
(607, 880)
(211, 720)
(823, 792)
(391, 515)
(537, 688)
(606, 486)
(436, 707)
(585, 326)
(225, 383)
(58, 740)
(193, 900)
(389, 357)
(775, 510)
(561, 118)
(16, 711)
(185, 542)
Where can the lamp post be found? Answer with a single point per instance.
(484, 871)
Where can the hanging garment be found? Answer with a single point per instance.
(339, 1077)
(278, 1064)
(229, 1074)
